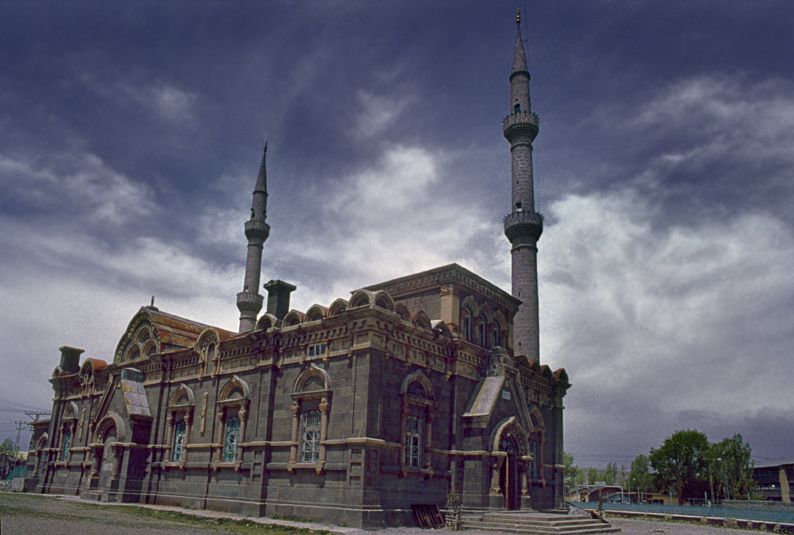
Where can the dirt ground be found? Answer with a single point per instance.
(27, 514)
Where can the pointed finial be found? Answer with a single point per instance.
(518, 15)
(265, 151)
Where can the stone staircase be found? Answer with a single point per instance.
(534, 523)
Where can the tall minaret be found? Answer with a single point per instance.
(523, 225)
(249, 301)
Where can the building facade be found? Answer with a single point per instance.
(423, 390)
(775, 481)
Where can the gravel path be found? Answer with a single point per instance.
(28, 514)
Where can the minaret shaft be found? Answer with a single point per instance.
(523, 226)
(249, 301)
(523, 186)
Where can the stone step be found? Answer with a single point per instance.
(535, 523)
(503, 527)
(564, 521)
(561, 527)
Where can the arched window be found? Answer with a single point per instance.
(311, 396)
(232, 413)
(231, 438)
(467, 328)
(417, 417)
(68, 428)
(482, 337)
(178, 444)
(178, 423)
(133, 353)
(517, 108)
(496, 335)
(310, 436)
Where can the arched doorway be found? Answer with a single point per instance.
(107, 459)
(509, 475)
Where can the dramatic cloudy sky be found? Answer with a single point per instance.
(130, 134)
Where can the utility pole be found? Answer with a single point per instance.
(20, 424)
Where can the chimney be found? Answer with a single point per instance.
(70, 359)
(278, 297)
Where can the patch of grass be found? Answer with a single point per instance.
(136, 516)
(228, 525)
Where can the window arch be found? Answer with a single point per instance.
(402, 311)
(232, 415)
(315, 313)
(206, 347)
(41, 444)
(179, 423)
(143, 334)
(311, 397)
(360, 298)
(498, 331)
(384, 300)
(266, 321)
(293, 317)
(420, 319)
(337, 307)
(417, 396)
(133, 352)
(141, 340)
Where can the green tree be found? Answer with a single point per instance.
(681, 464)
(592, 476)
(571, 472)
(611, 473)
(640, 478)
(730, 468)
(7, 447)
(581, 476)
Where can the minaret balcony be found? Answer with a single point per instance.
(257, 229)
(249, 301)
(521, 122)
(523, 227)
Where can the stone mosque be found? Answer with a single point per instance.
(426, 390)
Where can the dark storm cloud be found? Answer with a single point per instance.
(130, 137)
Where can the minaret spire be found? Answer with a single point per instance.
(523, 226)
(249, 301)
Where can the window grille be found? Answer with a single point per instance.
(413, 441)
(67, 442)
(231, 439)
(310, 436)
(179, 441)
